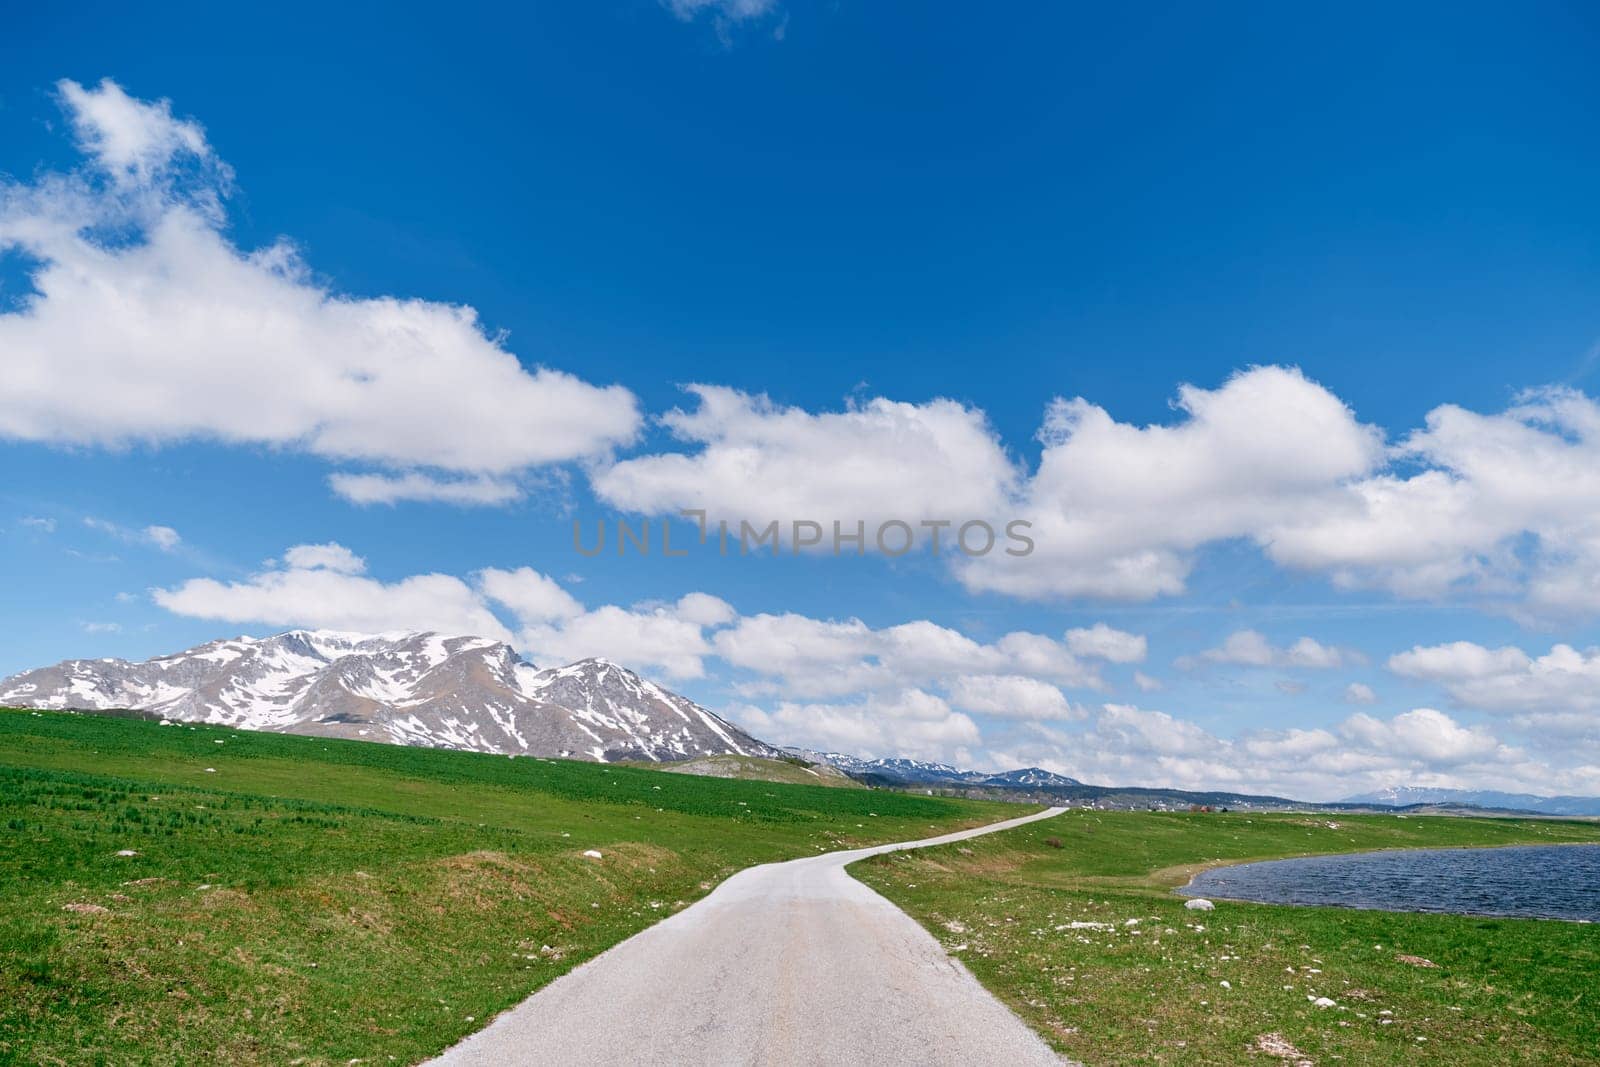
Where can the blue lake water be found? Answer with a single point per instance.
(1534, 881)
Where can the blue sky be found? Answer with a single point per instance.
(912, 234)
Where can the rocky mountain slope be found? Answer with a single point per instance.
(403, 688)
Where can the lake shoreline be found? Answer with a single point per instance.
(1313, 864)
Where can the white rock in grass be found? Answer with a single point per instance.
(592, 854)
(126, 852)
(1324, 1002)
(1199, 904)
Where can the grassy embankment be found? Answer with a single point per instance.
(300, 900)
(1237, 985)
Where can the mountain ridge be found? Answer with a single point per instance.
(1404, 796)
(402, 687)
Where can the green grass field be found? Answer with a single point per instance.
(755, 769)
(298, 900)
(1237, 985)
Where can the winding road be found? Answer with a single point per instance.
(785, 963)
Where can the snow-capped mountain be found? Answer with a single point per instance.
(1032, 777)
(1399, 796)
(899, 770)
(403, 688)
(921, 772)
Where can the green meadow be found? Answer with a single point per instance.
(1073, 922)
(309, 901)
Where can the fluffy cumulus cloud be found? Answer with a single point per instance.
(1250, 648)
(1117, 509)
(1500, 507)
(326, 586)
(871, 463)
(331, 556)
(1424, 747)
(1102, 642)
(1011, 696)
(910, 723)
(1426, 735)
(147, 325)
(1557, 692)
(1488, 482)
(665, 636)
(806, 657)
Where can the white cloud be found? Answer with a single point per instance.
(163, 537)
(1559, 690)
(1488, 480)
(1117, 509)
(732, 9)
(727, 15)
(36, 523)
(531, 596)
(1145, 683)
(166, 332)
(911, 723)
(1011, 696)
(326, 586)
(1459, 661)
(671, 637)
(802, 656)
(415, 486)
(1424, 734)
(1359, 693)
(703, 609)
(1250, 648)
(1134, 746)
(1103, 642)
(331, 556)
(135, 142)
(1496, 506)
(1154, 732)
(871, 463)
(318, 586)
(649, 637)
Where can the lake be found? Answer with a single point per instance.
(1528, 881)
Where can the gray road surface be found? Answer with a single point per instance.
(786, 963)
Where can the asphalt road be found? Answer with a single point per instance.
(786, 963)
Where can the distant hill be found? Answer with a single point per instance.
(754, 768)
(919, 772)
(1036, 785)
(1403, 796)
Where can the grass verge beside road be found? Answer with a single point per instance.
(1048, 930)
(300, 900)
